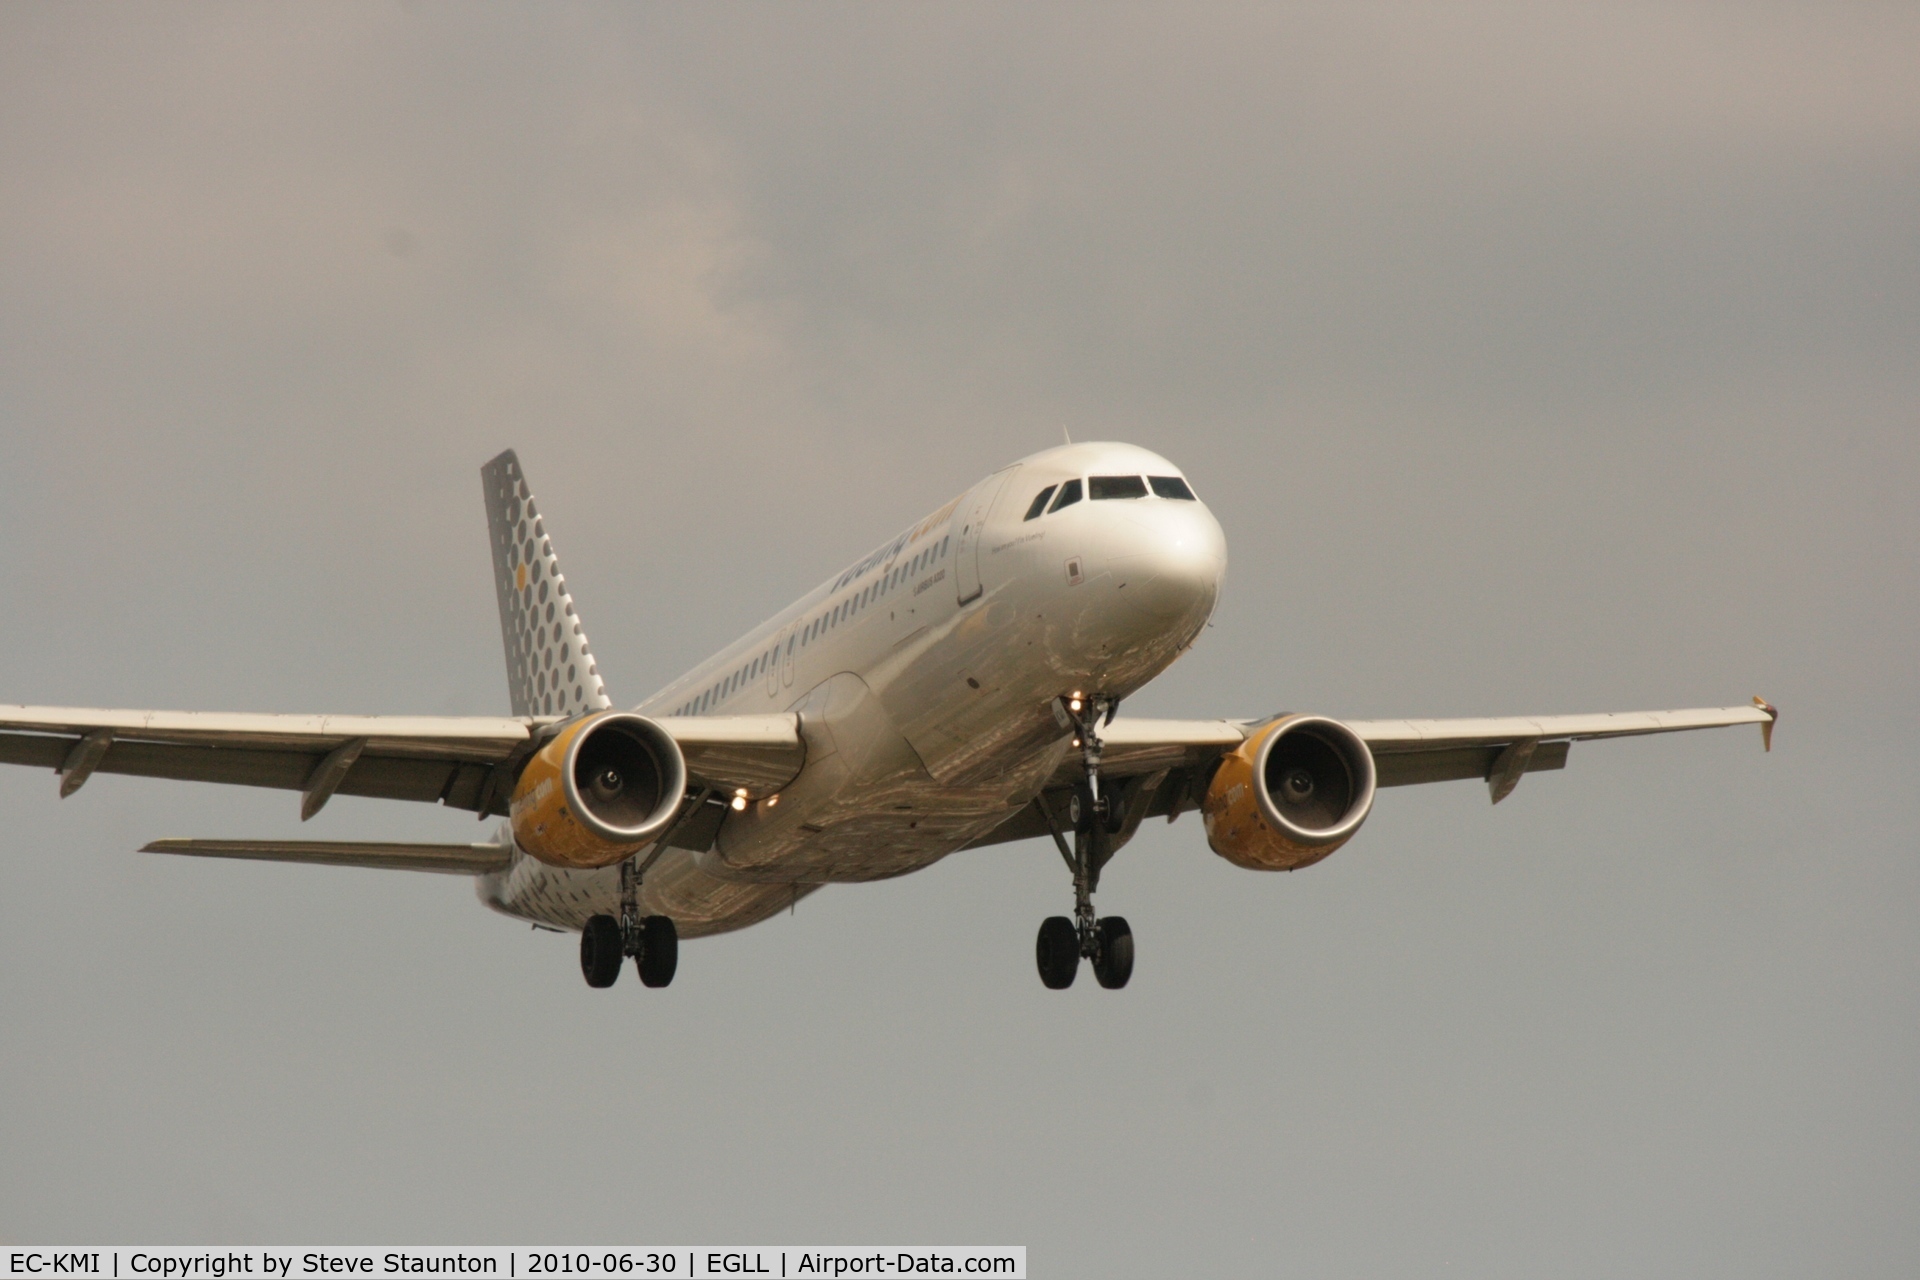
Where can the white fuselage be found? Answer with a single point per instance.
(924, 677)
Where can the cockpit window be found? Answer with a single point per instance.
(1172, 487)
(1102, 487)
(1039, 502)
(1069, 494)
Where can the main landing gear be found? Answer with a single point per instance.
(1107, 941)
(652, 941)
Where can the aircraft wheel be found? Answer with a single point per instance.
(1113, 963)
(600, 951)
(1057, 952)
(659, 951)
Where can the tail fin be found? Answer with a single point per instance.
(550, 669)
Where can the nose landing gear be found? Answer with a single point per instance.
(652, 941)
(1107, 941)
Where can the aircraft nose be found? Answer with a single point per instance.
(1172, 559)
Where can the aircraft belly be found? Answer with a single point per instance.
(852, 844)
(866, 806)
(700, 904)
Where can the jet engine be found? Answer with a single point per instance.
(599, 791)
(1291, 794)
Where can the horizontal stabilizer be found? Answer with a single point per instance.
(451, 859)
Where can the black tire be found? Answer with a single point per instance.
(600, 951)
(659, 951)
(1057, 952)
(1113, 963)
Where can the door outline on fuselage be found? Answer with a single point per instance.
(773, 663)
(966, 556)
(789, 643)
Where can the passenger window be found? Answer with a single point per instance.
(1100, 488)
(1172, 487)
(1069, 494)
(1039, 503)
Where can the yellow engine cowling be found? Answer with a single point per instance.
(1291, 794)
(601, 790)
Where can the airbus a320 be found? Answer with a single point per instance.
(957, 686)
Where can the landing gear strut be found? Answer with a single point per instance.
(1108, 941)
(652, 941)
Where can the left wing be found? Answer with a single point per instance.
(1501, 750)
(463, 762)
(1163, 766)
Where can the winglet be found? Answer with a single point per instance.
(1766, 728)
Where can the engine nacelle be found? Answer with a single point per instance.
(601, 790)
(1289, 795)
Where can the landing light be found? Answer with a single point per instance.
(739, 799)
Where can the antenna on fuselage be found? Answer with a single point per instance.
(1066, 435)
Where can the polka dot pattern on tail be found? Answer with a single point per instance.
(539, 649)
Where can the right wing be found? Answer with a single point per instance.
(463, 762)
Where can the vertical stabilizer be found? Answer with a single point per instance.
(550, 669)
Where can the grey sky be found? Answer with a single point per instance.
(1535, 359)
